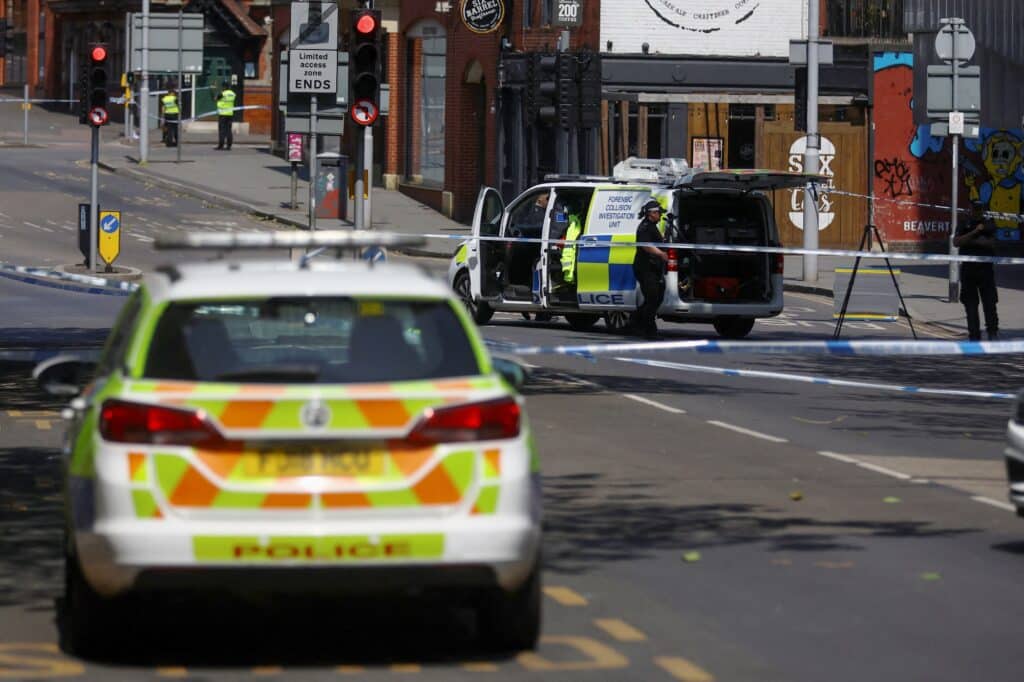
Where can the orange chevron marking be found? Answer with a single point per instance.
(174, 387)
(345, 500)
(219, 462)
(494, 459)
(287, 501)
(437, 488)
(246, 414)
(411, 461)
(264, 389)
(454, 386)
(384, 413)
(194, 490)
(135, 462)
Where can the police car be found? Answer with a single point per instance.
(320, 427)
(518, 261)
(1015, 455)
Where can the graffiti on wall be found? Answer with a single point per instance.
(912, 166)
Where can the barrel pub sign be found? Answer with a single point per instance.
(482, 16)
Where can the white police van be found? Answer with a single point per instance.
(493, 271)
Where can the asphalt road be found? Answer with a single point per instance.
(699, 525)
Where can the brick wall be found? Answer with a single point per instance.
(395, 77)
(259, 120)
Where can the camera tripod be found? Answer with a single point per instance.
(865, 241)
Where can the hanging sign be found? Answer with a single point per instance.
(568, 13)
(482, 16)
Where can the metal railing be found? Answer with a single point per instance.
(879, 19)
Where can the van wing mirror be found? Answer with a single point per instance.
(511, 371)
(64, 375)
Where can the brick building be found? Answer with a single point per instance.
(51, 35)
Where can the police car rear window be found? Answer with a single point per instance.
(309, 340)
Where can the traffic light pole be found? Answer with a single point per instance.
(367, 171)
(561, 134)
(144, 88)
(313, 151)
(357, 171)
(94, 206)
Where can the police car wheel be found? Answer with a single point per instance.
(88, 618)
(480, 312)
(618, 322)
(510, 621)
(581, 322)
(733, 327)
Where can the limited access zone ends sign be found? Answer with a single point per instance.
(313, 71)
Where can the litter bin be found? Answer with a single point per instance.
(332, 186)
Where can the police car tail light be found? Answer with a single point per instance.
(126, 422)
(491, 420)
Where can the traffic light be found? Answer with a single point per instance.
(800, 98)
(365, 57)
(542, 88)
(568, 92)
(6, 39)
(97, 85)
(590, 89)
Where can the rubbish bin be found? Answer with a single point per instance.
(331, 186)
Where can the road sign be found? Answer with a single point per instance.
(312, 71)
(798, 52)
(364, 112)
(954, 38)
(375, 254)
(568, 13)
(956, 123)
(110, 236)
(83, 230)
(314, 26)
(939, 100)
(163, 42)
(295, 147)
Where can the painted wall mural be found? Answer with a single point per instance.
(913, 167)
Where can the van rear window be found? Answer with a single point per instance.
(309, 340)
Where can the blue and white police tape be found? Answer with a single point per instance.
(83, 284)
(821, 381)
(841, 348)
(736, 248)
(902, 202)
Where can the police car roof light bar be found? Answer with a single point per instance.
(330, 239)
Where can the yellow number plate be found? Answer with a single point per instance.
(291, 464)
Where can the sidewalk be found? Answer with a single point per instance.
(252, 180)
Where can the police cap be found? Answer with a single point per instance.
(652, 205)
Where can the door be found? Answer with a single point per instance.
(483, 254)
(604, 272)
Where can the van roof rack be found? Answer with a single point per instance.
(661, 171)
(340, 240)
(573, 177)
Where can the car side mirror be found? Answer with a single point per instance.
(63, 375)
(511, 371)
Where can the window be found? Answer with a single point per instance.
(120, 336)
(310, 340)
(426, 52)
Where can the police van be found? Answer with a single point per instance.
(518, 259)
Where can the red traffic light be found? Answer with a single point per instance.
(366, 24)
(99, 53)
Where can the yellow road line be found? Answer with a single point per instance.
(349, 669)
(406, 668)
(682, 669)
(43, 424)
(480, 667)
(172, 671)
(14, 413)
(620, 630)
(565, 596)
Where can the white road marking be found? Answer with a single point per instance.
(38, 227)
(1006, 506)
(653, 403)
(837, 456)
(748, 432)
(883, 470)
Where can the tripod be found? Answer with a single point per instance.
(865, 241)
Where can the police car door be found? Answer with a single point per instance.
(483, 254)
(605, 279)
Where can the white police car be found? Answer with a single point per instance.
(1015, 455)
(727, 289)
(315, 427)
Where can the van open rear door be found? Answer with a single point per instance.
(750, 180)
(486, 223)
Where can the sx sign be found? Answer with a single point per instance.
(826, 208)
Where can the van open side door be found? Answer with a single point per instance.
(604, 271)
(484, 254)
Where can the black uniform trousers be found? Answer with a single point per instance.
(224, 135)
(652, 286)
(171, 123)
(978, 282)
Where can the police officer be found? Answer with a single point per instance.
(976, 237)
(171, 116)
(568, 259)
(225, 115)
(649, 268)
